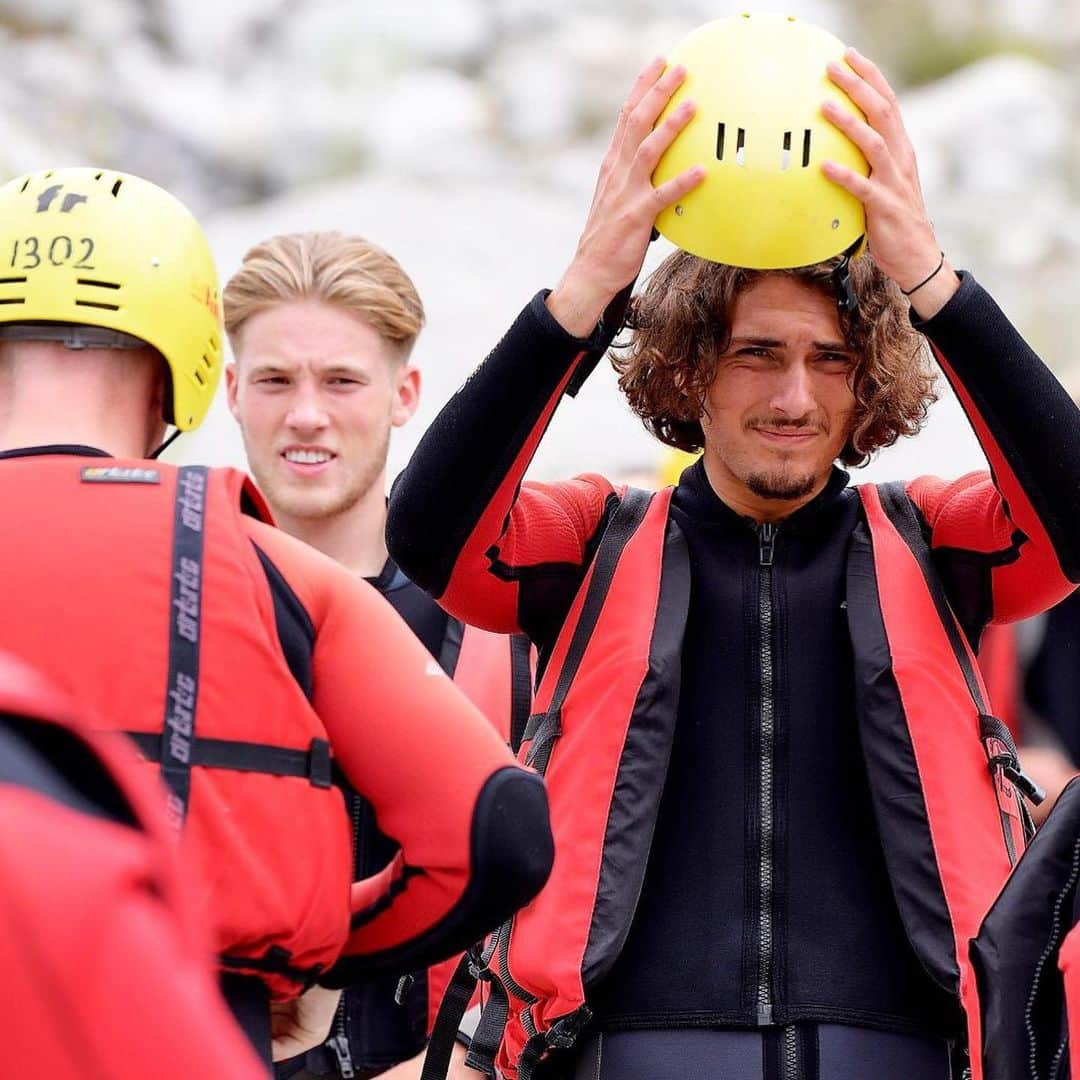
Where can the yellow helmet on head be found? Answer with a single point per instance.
(91, 247)
(759, 81)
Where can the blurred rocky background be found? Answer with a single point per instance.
(464, 136)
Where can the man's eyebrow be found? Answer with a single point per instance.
(355, 371)
(269, 367)
(778, 343)
(763, 342)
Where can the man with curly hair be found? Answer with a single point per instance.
(781, 804)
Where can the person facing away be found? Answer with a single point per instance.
(90, 870)
(780, 805)
(322, 327)
(246, 666)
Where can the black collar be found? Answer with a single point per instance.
(68, 450)
(695, 497)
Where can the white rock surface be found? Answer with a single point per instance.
(465, 135)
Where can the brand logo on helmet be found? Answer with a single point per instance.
(46, 199)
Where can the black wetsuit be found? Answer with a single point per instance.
(812, 917)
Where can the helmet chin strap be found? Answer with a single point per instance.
(846, 299)
(165, 445)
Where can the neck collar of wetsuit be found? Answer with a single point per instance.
(695, 497)
(61, 449)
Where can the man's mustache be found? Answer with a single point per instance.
(787, 426)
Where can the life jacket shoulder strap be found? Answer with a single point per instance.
(544, 728)
(1009, 778)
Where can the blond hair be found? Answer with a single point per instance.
(348, 272)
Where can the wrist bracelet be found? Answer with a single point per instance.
(929, 277)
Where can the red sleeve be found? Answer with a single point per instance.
(412, 745)
(498, 553)
(102, 977)
(1022, 520)
(523, 534)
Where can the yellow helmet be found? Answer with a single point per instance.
(672, 463)
(759, 81)
(97, 248)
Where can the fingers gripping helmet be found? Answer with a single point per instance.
(97, 248)
(759, 81)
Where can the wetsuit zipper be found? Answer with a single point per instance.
(766, 542)
(339, 1041)
(790, 1055)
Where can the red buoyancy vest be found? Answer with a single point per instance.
(1069, 964)
(949, 818)
(107, 971)
(104, 596)
(494, 671)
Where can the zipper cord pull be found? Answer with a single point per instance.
(766, 543)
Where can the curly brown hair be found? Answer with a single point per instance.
(680, 326)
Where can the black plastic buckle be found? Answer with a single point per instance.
(1025, 783)
(564, 1033)
(1011, 770)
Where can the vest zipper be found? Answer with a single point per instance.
(766, 542)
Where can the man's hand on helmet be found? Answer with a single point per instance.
(625, 204)
(899, 230)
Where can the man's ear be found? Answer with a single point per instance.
(406, 395)
(231, 382)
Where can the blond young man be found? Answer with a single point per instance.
(322, 327)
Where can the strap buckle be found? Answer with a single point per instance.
(1011, 769)
(564, 1033)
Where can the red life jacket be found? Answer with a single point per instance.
(941, 769)
(107, 971)
(494, 672)
(138, 590)
(1069, 964)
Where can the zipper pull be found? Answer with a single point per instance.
(340, 1045)
(404, 988)
(766, 542)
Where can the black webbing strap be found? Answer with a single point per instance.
(314, 764)
(520, 688)
(185, 623)
(900, 511)
(544, 728)
(487, 1037)
(452, 1009)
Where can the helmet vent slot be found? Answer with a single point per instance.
(98, 284)
(97, 304)
(740, 147)
(13, 280)
(719, 142)
(13, 300)
(806, 149)
(199, 377)
(116, 187)
(207, 362)
(785, 154)
(26, 184)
